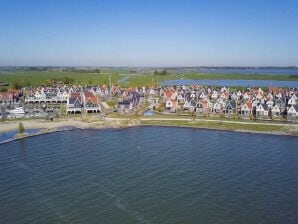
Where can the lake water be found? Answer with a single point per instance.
(149, 175)
(245, 71)
(4, 136)
(242, 83)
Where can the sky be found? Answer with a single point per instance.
(148, 33)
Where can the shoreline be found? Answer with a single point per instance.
(69, 124)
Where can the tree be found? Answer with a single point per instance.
(16, 85)
(67, 80)
(48, 82)
(3, 89)
(21, 128)
(164, 72)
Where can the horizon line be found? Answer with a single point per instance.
(186, 66)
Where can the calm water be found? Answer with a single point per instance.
(251, 71)
(4, 136)
(149, 175)
(243, 83)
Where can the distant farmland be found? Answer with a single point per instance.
(37, 78)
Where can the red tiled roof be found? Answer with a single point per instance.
(169, 94)
(174, 102)
(204, 103)
(249, 105)
(6, 95)
(88, 94)
(92, 99)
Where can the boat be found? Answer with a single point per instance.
(17, 110)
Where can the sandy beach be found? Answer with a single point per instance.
(101, 123)
(32, 124)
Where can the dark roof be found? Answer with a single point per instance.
(296, 107)
(231, 105)
(125, 102)
(265, 106)
(72, 100)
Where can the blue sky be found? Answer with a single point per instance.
(149, 33)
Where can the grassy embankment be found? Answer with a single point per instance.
(220, 125)
(209, 123)
(37, 78)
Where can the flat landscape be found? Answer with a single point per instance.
(148, 112)
(123, 77)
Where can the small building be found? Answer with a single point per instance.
(171, 105)
(246, 109)
(6, 98)
(293, 112)
(202, 107)
(74, 103)
(231, 107)
(262, 111)
(91, 103)
(125, 107)
(275, 111)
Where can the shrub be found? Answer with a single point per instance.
(21, 128)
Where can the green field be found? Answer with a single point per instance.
(37, 78)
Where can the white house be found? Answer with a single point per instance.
(246, 109)
(171, 106)
(275, 111)
(187, 106)
(239, 94)
(203, 96)
(262, 110)
(214, 95)
(293, 111)
(246, 96)
(270, 103)
(292, 100)
(181, 98)
(216, 108)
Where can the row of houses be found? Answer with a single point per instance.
(255, 102)
(130, 99)
(250, 102)
(46, 95)
(10, 97)
(83, 102)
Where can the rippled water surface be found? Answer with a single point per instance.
(149, 175)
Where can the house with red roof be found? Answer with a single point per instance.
(171, 105)
(246, 109)
(75, 103)
(6, 98)
(91, 103)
